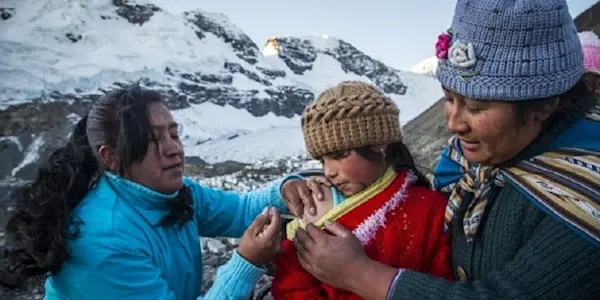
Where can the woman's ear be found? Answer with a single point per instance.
(109, 158)
(548, 110)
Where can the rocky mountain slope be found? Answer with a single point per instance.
(58, 56)
(589, 19)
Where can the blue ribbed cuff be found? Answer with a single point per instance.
(243, 270)
(235, 280)
(393, 283)
(289, 177)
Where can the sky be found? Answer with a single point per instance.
(393, 31)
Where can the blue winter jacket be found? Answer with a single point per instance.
(123, 253)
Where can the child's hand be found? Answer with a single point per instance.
(262, 240)
(323, 205)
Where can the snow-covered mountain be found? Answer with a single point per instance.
(236, 100)
(426, 66)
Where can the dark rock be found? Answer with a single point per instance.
(25, 138)
(28, 172)
(426, 136)
(298, 54)
(200, 35)
(217, 94)
(357, 62)
(273, 74)
(194, 160)
(190, 77)
(218, 169)
(589, 20)
(73, 37)
(35, 117)
(285, 101)
(243, 46)
(289, 100)
(43, 123)
(176, 100)
(135, 13)
(191, 89)
(213, 78)
(203, 141)
(237, 68)
(6, 13)
(207, 78)
(11, 154)
(226, 167)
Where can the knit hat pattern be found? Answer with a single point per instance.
(511, 50)
(350, 115)
(591, 51)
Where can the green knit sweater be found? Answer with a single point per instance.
(520, 253)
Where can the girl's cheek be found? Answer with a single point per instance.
(358, 171)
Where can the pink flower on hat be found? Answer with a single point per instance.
(443, 45)
(591, 51)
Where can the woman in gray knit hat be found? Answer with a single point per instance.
(522, 171)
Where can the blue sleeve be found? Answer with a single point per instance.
(235, 280)
(228, 214)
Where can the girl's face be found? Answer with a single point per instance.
(350, 172)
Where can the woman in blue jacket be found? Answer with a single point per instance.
(110, 216)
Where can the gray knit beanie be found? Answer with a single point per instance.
(510, 50)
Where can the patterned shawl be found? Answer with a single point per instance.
(564, 180)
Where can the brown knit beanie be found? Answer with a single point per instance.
(350, 115)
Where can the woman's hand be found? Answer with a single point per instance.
(299, 194)
(337, 257)
(329, 257)
(262, 240)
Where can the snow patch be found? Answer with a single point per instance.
(15, 140)
(31, 156)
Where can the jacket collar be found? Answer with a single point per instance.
(151, 205)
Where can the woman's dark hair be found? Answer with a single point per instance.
(41, 224)
(592, 80)
(572, 104)
(398, 156)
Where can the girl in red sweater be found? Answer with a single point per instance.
(376, 192)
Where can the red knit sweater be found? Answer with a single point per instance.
(412, 238)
